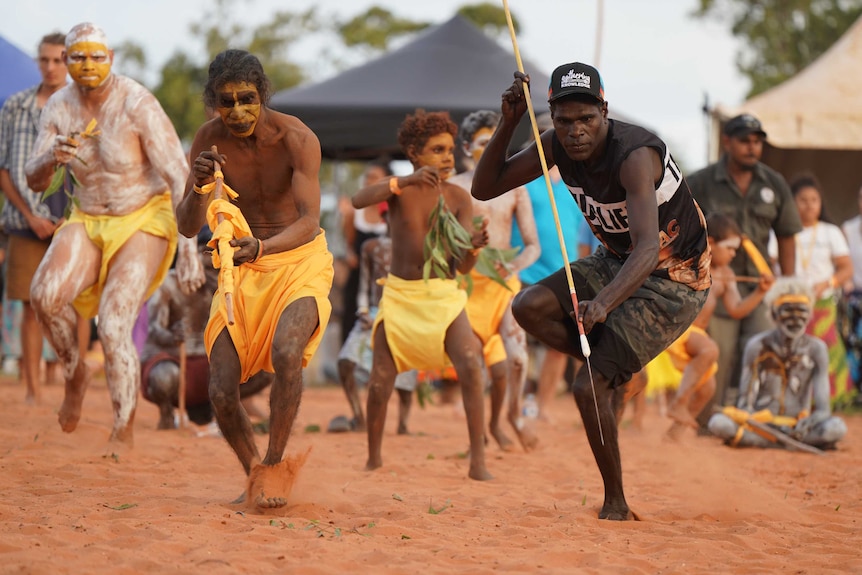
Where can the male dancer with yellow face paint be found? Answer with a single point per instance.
(120, 238)
(283, 269)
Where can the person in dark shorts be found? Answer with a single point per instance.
(648, 280)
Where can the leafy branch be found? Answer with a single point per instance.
(64, 178)
(489, 262)
(446, 239)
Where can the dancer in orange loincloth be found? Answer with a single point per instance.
(283, 270)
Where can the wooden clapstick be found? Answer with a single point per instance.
(756, 257)
(219, 194)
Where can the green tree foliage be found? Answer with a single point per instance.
(490, 18)
(130, 59)
(180, 93)
(781, 37)
(182, 77)
(375, 28)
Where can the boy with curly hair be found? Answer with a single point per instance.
(422, 324)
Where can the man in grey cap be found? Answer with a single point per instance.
(759, 199)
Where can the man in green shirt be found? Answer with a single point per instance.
(759, 200)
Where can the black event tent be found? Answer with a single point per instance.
(453, 66)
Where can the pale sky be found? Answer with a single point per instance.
(656, 61)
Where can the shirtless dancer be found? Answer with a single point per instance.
(489, 306)
(283, 270)
(423, 325)
(785, 379)
(118, 243)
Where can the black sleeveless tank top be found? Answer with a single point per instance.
(684, 253)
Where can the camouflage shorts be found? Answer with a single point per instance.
(641, 327)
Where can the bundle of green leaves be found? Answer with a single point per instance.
(64, 177)
(448, 240)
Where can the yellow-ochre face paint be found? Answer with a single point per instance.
(480, 142)
(238, 104)
(89, 63)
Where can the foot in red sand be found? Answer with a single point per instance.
(617, 512)
(70, 411)
(502, 440)
(479, 473)
(270, 485)
(123, 435)
(680, 413)
(526, 434)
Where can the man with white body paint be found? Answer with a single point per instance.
(489, 307)
(120, 238)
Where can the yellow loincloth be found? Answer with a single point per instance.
(417, 315)
(261, 292)
(110, 233)
(680, 357)
(486, 306)
(661, 375)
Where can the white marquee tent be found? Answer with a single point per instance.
(814, 123)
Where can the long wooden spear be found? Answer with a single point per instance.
(585, 345)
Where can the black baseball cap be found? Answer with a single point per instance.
(576, 78)
(743, 125)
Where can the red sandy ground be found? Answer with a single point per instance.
(72, 503)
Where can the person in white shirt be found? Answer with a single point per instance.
(823, 259)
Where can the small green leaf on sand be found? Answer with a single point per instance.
(120, 507)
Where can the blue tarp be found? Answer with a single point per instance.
(20, 70)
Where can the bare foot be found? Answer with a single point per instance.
(679, 413)
(528, 438)
(502, 440)
(32, 398)
(70, 411)
(270, 485)
(123, 435)
(373, 464)
(616, 512)
(675, 431)
(402, 429)
(479, 473)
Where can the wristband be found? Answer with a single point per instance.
(475, 251)
(259, 253)
(199, 190)
(393, 186)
